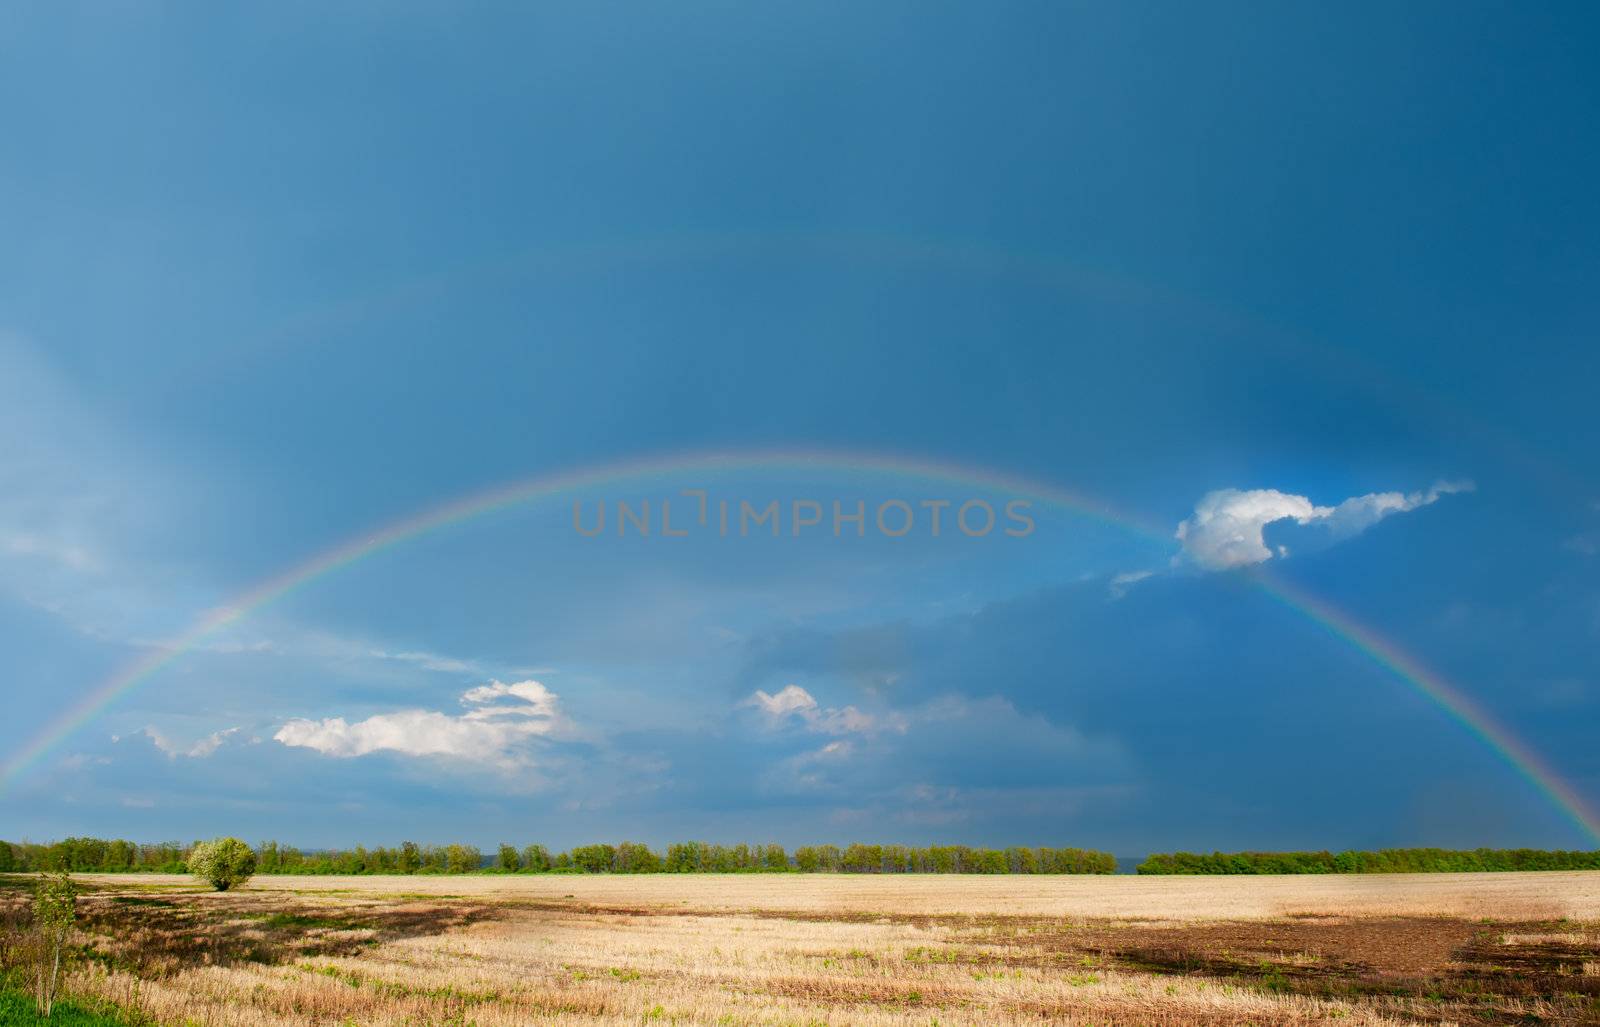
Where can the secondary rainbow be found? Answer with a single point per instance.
(1340, 625)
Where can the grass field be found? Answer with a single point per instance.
(815, 949)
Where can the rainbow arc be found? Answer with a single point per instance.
(1403, 667)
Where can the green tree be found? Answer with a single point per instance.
(509, 861)
(594, 859)
(222, 862)
(462, 859)
(55, 907)
(634, 858)
(685, 858)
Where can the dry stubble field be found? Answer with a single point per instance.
(813, 949)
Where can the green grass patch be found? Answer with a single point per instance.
(301, 921)
(17, 1009)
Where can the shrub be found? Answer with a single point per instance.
(222, 863)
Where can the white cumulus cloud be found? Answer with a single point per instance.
(790, 699)
(1227, 527)
(491, 730)
(793, 703)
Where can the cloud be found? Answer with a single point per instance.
(537, 701)
(791, 699)
(951, 742)
(1120, 583)
(67, 554)
(1583, 545)
(76, 490)
(87, 509)
(793, 703)
(808, 771)
(1227, 527)
(488, 732)
(448, 664)
(430, 661)
(198, 751)
(80, 760)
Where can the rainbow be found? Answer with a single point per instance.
(1441, 693)
(1340, 625)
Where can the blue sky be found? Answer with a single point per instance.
(277, 278)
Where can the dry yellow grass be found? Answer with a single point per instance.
(801, 950)
(1574, 894)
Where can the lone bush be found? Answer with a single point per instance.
(222, 862)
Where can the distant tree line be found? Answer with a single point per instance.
(113, 856)
(94, 854)
(1383, 861)
(102, 856)
(688, 858)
